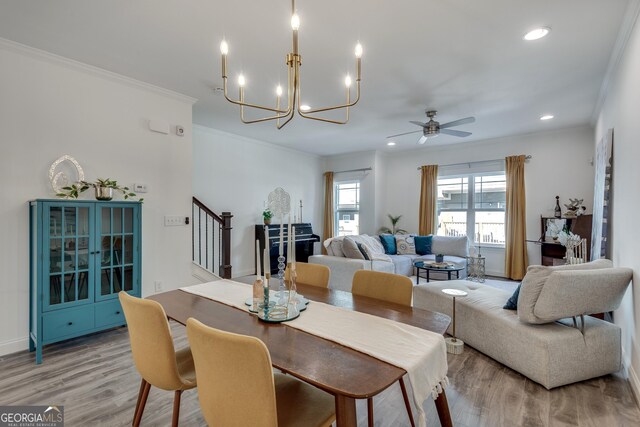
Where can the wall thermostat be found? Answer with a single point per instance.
(179, 131)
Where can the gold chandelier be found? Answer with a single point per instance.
(293, 61)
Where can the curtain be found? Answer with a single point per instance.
(428, 199)
(516, 259)
(327, 229)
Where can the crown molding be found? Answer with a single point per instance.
(628, 24)
(10, 45)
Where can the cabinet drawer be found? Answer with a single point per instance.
(66, 322)
(109, 313)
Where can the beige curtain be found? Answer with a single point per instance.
(428, 199)
(516, 259)
(327, 230)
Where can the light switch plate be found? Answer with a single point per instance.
(174, 220)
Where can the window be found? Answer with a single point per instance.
(479, 213)
(347, 197)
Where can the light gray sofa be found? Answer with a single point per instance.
(540, 340)
(454, 249)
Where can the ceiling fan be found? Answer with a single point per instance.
(431, 129)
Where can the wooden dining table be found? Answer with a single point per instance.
(341, 371)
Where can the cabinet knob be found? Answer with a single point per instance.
(117, 312)
(70, 323)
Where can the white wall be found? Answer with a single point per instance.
(620, 112)
(236, 174)
(50, 106)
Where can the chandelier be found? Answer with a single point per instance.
(283, 115)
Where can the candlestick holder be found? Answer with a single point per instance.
(281, 287)
(292, 300)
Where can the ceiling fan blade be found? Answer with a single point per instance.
(422, 140)
(417, 123)
(406, 133)
(458, 122)
(459, 133)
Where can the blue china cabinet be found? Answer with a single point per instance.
(82, 253)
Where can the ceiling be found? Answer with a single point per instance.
(461, 57)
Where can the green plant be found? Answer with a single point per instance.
(267, 214)
(74, 190)
(394, 226)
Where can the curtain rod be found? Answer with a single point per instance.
(355, 170)
(527, 157)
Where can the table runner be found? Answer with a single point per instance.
(420, 352)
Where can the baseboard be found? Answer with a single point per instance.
(14, 346)
(634, 382)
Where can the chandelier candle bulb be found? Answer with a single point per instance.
(224, 49)
(295, 24)
(347, 81)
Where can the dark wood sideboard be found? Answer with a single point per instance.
(553, 252)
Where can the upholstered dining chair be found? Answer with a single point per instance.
(154, 355)
(387, 287)
(237, 386)
(311, 274)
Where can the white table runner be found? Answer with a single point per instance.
(420, 352)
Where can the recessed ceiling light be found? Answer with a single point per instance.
(537, 33)
(391, 143)
(546, 117)
(305, 107)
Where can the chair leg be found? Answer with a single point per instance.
(143, 402)
(142, 384)
(442, 406)
(176, 408)
(405, 396)
(370, 411)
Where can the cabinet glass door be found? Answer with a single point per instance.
(67, 268)
(118, 243)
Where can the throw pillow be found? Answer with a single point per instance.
(512, 303)
(423, 244)
(389, 243)
(405, 245)
(350, 248)
(363, 250)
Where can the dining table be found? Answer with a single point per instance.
(345, 373)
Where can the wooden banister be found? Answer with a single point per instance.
(211, 245)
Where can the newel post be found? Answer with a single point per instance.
(225, 267)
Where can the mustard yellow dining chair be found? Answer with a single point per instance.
(154, 355)
(311, 274)
(387, 287)
(237, 386)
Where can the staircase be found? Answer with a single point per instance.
(211, 239)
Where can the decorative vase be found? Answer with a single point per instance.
(104, 193)
(557, 212)
(439, 258)
(267, 221)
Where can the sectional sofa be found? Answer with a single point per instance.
(348, 254)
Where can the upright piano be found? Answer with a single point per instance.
(270, 235)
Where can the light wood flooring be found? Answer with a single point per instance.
(94, 378)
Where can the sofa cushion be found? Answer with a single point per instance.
(373, 244)
(334, 246)
(403, 264)
(350, 248)
(534, 281)
(423, 244)
(512, 302)
(447, 245)
(389, 243)
(363, 251)
(405, 245)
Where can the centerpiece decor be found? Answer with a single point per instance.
(266, 216)
(279, 202)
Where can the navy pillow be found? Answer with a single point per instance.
(363, 251)
(423, 244)
(389, 244)
(512, 303)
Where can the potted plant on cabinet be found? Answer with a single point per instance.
(103, 189)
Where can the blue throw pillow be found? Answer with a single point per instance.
(423, 244)
(389, 244)
(512, 303)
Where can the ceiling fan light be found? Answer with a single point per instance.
(536, 33)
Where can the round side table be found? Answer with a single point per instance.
(454, 345)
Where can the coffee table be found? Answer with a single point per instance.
(420, 265)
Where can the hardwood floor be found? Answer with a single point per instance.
(94, 378)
